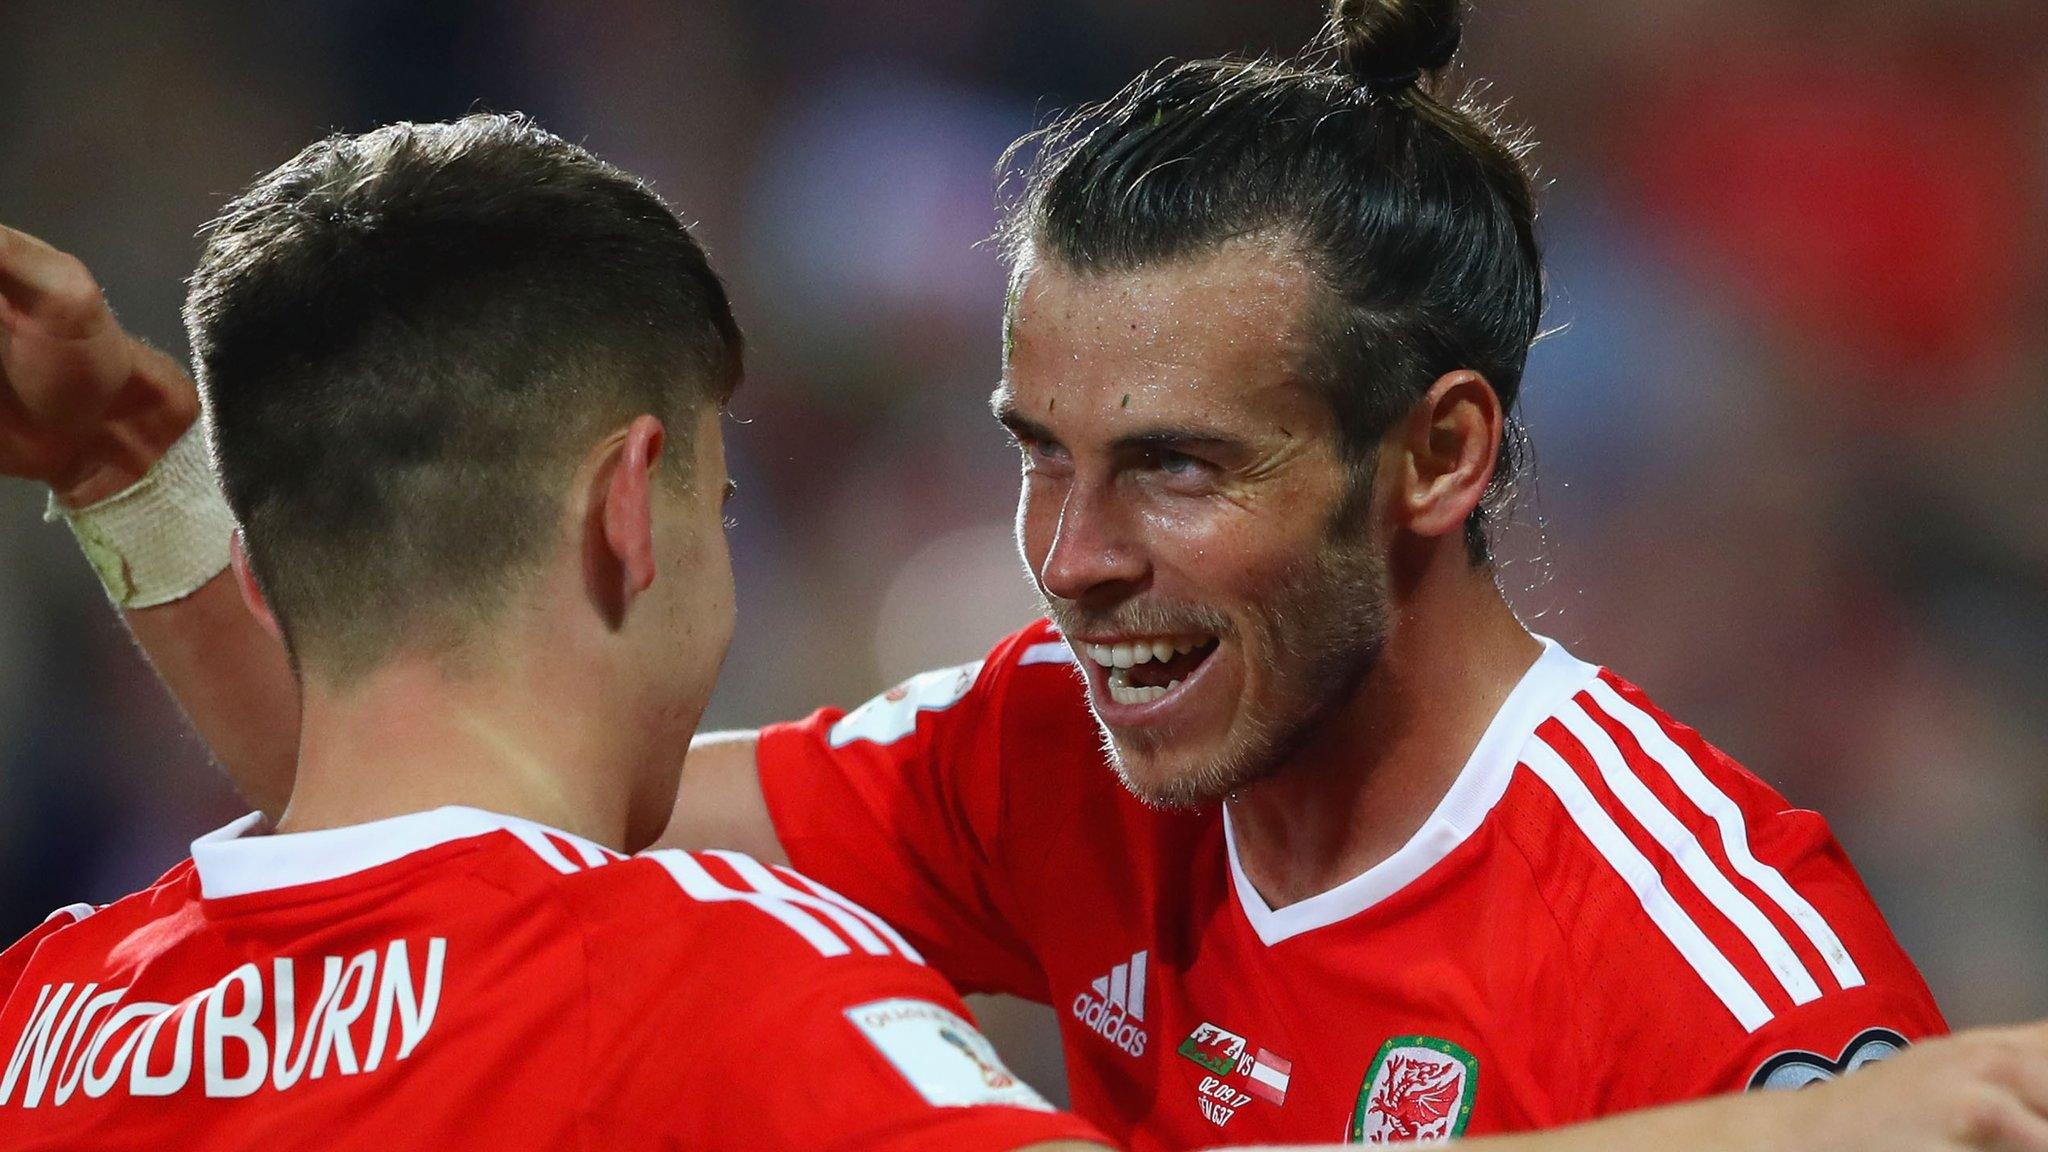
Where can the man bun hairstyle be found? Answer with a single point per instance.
(1389, 45)
(407, 339)
(1414, 211)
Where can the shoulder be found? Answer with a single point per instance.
(727, 902)
(1031, 669)
(1679, 879)
(82, 933)
(1041, 682)
(826, 1025)
(15, 960)
(953, 730)
(1620, 785)
(728, 949)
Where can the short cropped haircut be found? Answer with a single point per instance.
(407, 339)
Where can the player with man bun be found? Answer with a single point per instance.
(1297, 827)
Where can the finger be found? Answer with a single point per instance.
(66, 384)
(25, 450)
(2021, 1131)
(2030, 1077)
(49, 287)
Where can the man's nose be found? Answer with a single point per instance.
(1094, 555)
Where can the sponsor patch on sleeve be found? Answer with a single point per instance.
(1799, 1068)
(893, 715)
(944, 1057)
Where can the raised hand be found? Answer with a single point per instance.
(84, 407)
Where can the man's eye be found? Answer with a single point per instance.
(1037, 451)
(1177, 463)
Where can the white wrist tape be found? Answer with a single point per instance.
(163, 537)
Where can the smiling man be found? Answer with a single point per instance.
(1323, 842)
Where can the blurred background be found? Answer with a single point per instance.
(1790, 472)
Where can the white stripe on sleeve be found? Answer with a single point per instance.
(757, 874)
(699, 884)
(1692, 859)
(545, 849)
(1641, 877)
(1734, 835)
(1050, 652)
(880, 925)
(593, 856)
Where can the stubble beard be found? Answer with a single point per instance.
(1312, 641)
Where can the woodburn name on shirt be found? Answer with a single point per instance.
(244, 1032)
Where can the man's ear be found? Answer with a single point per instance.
(618, 544)
(1447, 448)
(252, 592)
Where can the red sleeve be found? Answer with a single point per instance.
(1824, 1038)
(1846, 995)
(15, 960)
(1682, 1048)
(899, 805)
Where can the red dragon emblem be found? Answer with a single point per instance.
(1222, 1048)
(1416, 1098)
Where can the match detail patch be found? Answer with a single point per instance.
(945, 1058)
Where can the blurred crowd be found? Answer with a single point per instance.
(1788, 421)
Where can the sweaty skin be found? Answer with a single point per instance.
(1182, 476)
(1177, 474)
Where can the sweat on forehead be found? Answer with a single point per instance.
(1240, 315)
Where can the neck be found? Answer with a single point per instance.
(1372, 772)
(413, 737)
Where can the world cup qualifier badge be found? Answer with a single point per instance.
(1418, 1088)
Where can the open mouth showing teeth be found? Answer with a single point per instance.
(1141, 671)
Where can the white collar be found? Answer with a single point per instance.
(1555, 677)
(246, 857)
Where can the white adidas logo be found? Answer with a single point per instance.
(1114, 1005)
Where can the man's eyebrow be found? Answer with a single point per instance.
(1004, 406)
(1169, 436)
(1175, 437)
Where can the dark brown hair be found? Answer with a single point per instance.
(1415, 212)
(407, 338)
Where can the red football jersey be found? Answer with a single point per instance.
(1604, 912)
(456, 979)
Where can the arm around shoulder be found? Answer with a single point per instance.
(234, 683)
(1979, 1091)
(720, 803)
